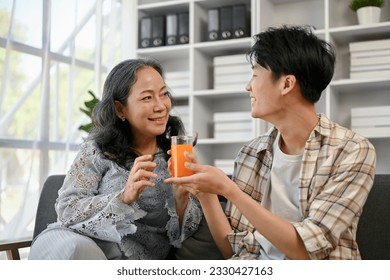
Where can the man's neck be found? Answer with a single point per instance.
(295, 132)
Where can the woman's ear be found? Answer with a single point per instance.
(119, 109)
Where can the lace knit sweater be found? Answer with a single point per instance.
(88, 203)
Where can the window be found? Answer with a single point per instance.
(51, 54)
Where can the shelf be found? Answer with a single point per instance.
(207, 4)
(348, 85)
(331, 20)
(166, 52)
(223, 47)
(154, 7)
(347, 34)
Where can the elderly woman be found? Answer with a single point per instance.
(114, 203)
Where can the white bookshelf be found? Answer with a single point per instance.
(332, 20)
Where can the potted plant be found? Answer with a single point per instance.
(89, 105)
(368, 11)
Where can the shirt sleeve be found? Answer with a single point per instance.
(81, 207)
(337, 194)
(191, 220)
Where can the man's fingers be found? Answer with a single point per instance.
(191, 156)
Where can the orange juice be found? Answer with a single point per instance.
(178, 159)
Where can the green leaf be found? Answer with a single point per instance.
(89, 105)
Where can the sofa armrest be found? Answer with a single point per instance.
(12, 248)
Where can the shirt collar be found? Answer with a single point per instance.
(323, 128)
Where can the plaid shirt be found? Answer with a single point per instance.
(337, 172)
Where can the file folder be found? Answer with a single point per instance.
(145, 32)
(184, 29)
(226, 22)
(158, 31)
(213, 24)
(240, 22)
(171, 29)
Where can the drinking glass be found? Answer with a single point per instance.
(180, 144)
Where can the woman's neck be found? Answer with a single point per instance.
(146, 147)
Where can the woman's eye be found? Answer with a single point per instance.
(146, 98)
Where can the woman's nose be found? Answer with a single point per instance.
(159, 105)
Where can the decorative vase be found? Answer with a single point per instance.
(368, 15)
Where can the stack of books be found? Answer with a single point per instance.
(182, 111)
(178, 82)
(233, 125)
(370, 59)
(226, 165)
(231, 72)
(371, 122)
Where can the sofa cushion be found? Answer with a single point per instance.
(373, 232)
(201, 245)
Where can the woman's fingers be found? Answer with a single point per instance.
(144, 174)
(146, 165)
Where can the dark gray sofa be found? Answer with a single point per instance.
(373, 235)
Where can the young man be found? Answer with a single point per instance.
(298, 191)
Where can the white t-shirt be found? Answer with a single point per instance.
(281, 196)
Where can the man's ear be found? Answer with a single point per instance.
(288, 84)
(119, 109)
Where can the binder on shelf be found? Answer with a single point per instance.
(226, 22)
(171, 29)
(145, 32)
(158, 31)
(240, 22)
(184, 28)
(213, 24)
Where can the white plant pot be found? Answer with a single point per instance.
(368, 15)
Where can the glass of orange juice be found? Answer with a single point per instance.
(180, 144)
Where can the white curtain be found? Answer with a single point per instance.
(51, 54)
